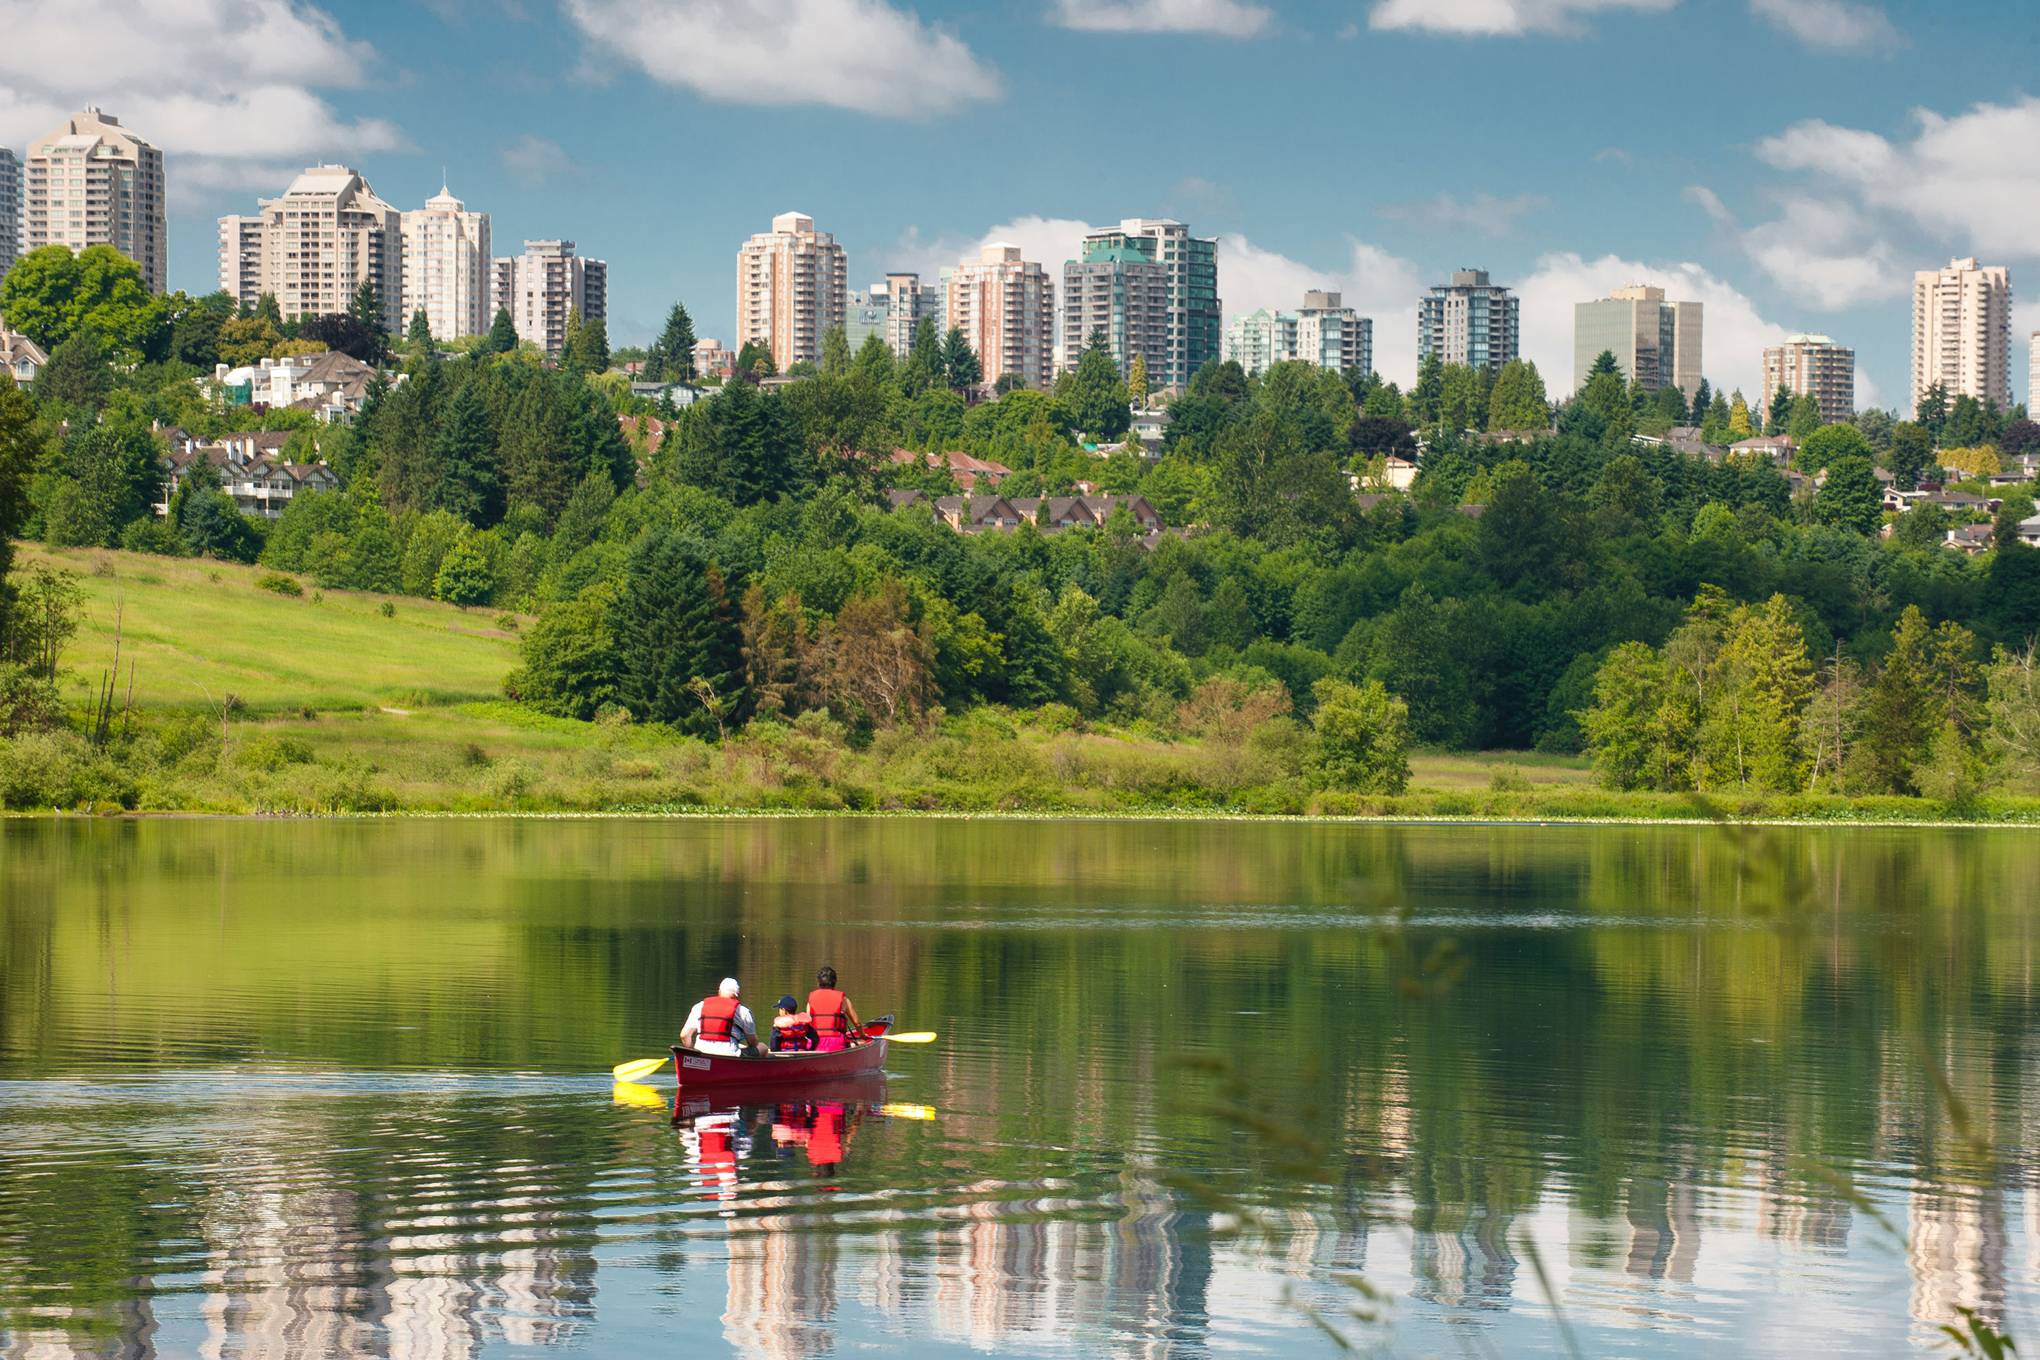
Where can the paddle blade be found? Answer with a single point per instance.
(642, 1097)
(919, 1036)
(903, 1111)
(641, 1067)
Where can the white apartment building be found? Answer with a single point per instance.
(10, 209)
(315, 246)
(1962, 332)
(1656, 343)
(241, 257)
(791, 288)
(448, 270)
(1005, 307)
(1814, 366)
(545, 286)
(1471, 321)
(907, 303)
(92, 182)
(2032, 369)
(1324, 332)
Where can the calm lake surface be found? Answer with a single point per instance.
(277, 1089)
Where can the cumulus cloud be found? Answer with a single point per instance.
(1818, 250)
(1373, 282)
(1498, 18)
(1953, 177)
(1046, 241)
(225, 87)
(1733, 332)
(863, 55)
(1224, 18)
(1483, 213)
(1837, 25)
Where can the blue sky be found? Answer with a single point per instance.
(1788, 162)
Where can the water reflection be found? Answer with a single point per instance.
(1692, 1075)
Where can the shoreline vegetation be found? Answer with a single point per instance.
(236, 695)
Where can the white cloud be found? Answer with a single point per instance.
(1046, 241)
(1373, 282)
(1498, 18)
(1225, 18)
(1733, 333)
(1839, 25)
(863, 55)
(1819, 251)
(532, 159)
(1957, 178)
(1483, 213)
(224, 86)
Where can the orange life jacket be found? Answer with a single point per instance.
(829, 1012)
(719, 1019)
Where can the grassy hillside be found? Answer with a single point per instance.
(248, 700)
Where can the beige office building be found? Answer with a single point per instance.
(315, 246)
(1962, 332)
(92, 182)
(544, 287)
(1656, 343)
(448, 270)
(791, 288)
(1005, 307)
(1813, 366)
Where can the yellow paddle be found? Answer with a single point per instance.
(640, 1067)
(919, 1036)
(646, 1097)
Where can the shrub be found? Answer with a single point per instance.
(279, 583)
(1363, 737)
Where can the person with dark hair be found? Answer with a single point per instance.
(834, 1019)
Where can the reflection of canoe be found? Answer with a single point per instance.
(715, 1069)
(865, 1090)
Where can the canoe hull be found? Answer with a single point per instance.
(694, 1070)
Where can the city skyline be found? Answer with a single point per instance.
(1807, 211)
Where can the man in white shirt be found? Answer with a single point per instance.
(721, 1024)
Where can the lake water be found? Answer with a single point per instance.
(277, 1089)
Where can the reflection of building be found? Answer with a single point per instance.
(1955, 1250)
(1795, 1215)
(1460, 1256)
(1664, 1229)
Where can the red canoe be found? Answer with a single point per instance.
(693, 1069)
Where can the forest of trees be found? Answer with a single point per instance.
(1690, 623)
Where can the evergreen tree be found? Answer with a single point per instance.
(570, 343)
(502, 336)
(835, 353)
(1804, 417)
(1900, 715)
(591, 348)
(1739, 426)
(470, 481)
(1753, 734)
(873, 364)
(1703, 402)
(1780, 413)
(1518, 400)
(744, 446)
(960, 367)
(420, 332)
(1851, 497)
(78, 375)
(923, 367)
(1932, 412)
(1097, 398)
(267, 310)
(1427, 397)
(676, 631)
(1137, 381)
(671, 357)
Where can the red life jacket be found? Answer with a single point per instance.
(828, 1011)
(718, 1019)
(792, 1034)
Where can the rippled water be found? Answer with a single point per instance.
(284, 1089)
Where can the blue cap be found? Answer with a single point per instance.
(787, 1003)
